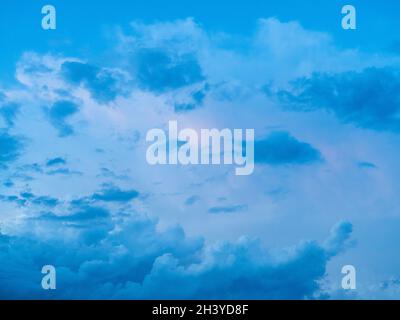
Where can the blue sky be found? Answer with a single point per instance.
(76, 191)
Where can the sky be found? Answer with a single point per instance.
(76, 190)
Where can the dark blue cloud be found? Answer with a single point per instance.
(200, 95)
(131, 259)
(9, 113)
(366, 165)
(160, 71)
(63, 171)
(280, 148)
(56, 162)
(45, 201)
(27, 195)
(28, 199)
(369, 99)
(13, 199)
(8, 183)
(59, 113)
(339, 238)
(114, 194)
(227, 209)
(10, 148)
(104, 85)
(51, 167)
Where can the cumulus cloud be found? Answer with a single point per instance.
(126, 257)
(238, 270)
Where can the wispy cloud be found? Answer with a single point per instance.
(228, 209)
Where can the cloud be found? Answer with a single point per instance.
(339, 238)
(238, 270)
(171, 55)
(192, 101)
(114, 194)
(160, 71)
(59, 113)
(64, 171)
(56, 162)
(51, 167)
(368, 99)
(129, 258)
(13, 199)
(227, 209)
(9, 113)
(103, 84)
(280, 148)
(10, 148)
(26, 199)
(366, 165)
(8, 183)
(165, 58)
(83, 215)
(45, 201)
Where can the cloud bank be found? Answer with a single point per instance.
(77, 193)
